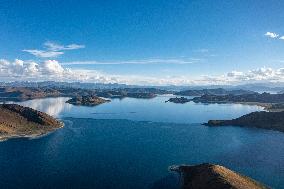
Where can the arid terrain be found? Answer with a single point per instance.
(19, 121)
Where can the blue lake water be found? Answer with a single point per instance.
(130, 143)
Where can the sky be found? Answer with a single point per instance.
(149, 42)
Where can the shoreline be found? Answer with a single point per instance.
(30, 136)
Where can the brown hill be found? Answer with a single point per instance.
(210, 176)
(19, 121)
(264, 120)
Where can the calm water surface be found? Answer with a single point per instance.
(130, 143)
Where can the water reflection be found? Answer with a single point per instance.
(51, 106)
(142, 110)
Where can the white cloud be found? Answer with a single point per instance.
(52, 66)
(260, 74)
(271, 34)
(32, 68)
(4, 63)
(53, 70)
(282, 37)
(29, 70)
(19, 63)
(52, 50)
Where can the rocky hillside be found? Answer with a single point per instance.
(210, 176)
(264, 120)
(21, 93)
(19, 121)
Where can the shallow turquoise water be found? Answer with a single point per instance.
(130, 143)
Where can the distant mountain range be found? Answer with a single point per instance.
(257, 87)
(9, 93)
(218, 91)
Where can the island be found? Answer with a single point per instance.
(211, 176)
(264, 120)
(87, 100)
(178, 100)
(20, 121)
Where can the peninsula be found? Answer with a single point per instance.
(19, 121)
(254, 98)
(87, 100)
(210, 176)
(264, 120)
(271, 102)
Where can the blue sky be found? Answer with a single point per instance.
(142, 42)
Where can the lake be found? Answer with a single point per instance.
(130, 143)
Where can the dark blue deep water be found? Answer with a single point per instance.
(130, 143)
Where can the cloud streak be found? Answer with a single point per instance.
(56, 47)
(144, 61)
(44, 54)
(52, 50)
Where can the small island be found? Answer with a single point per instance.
(87, 101)
(19, 121)
(264, 120)
(210, 176)
(178, 100)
